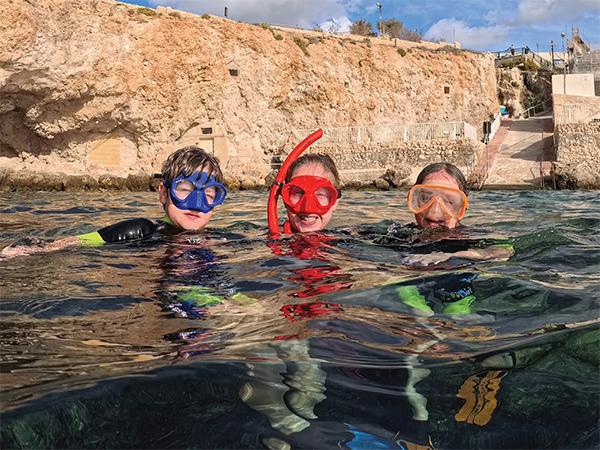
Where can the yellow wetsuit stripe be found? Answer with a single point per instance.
(92, 239)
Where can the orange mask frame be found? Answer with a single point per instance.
(461, 213)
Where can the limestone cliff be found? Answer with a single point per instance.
(96, 87)
(519, 90)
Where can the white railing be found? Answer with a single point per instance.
(393, 132)
(495, 125)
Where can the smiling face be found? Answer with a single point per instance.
(435, 216)
(311, 222)
(183, 218)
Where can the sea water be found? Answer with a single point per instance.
(304, 342)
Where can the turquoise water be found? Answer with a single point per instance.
(321, 350)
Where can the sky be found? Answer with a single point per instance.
(477, 24)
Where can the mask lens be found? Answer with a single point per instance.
(214, 195)
(423, 197)
(183, 189)
(295, 194)
(325, 196)
(453, 201)
(211, 194)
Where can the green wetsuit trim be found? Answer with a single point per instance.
(411, 296)
(166, 219)
(462, 306)
(504, 245)
(199, 296)
(242, 298)
(92, 239)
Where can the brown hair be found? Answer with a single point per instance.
(315, 158)
(450, 169)
(187, 160)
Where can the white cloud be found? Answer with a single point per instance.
(302, 13)
(336, 25)
(554, 11)
(476, 38)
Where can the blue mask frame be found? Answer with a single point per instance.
(196, 200)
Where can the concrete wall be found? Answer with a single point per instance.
(575, 109)
(575, 83)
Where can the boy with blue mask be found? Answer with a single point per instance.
(192, 186)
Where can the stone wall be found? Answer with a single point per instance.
(577, 141)
(578, 154)
(94, 88)
(360, 165)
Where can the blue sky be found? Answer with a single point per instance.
(476, 24)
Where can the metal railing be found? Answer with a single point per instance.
(394, 132)
(540, 107)
(524, 53)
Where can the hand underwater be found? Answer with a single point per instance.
(427, 259)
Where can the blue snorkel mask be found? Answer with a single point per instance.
(198, 192)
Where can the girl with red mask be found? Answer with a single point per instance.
(311, 193)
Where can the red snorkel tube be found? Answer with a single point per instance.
(272, 218)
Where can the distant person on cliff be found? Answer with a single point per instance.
(192, 186)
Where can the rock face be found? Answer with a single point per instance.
(519, 90)
(94, 87)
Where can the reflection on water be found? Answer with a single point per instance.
(227, 339)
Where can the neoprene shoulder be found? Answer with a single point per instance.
(128, 230)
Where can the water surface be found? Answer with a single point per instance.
(306, 342)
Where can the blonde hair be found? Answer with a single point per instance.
(187, 160)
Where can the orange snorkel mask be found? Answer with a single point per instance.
(453, 202)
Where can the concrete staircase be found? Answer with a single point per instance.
(520, 155)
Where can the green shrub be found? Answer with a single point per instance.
(401, 52)
(205, 16)
(278, 37)
(302, 44)
(145, 11)
(367, 42)
(264, 26)
(530, 65)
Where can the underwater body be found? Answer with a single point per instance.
(229, 339)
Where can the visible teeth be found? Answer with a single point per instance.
(309, 219)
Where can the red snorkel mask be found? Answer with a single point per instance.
(278, 184)
(309, 195)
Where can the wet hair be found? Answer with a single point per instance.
(450, 169)
(315, 158)
(187, 160)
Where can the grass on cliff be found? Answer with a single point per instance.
(302, 44)
(145, 11)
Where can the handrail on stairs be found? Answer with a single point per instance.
(527, 113)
